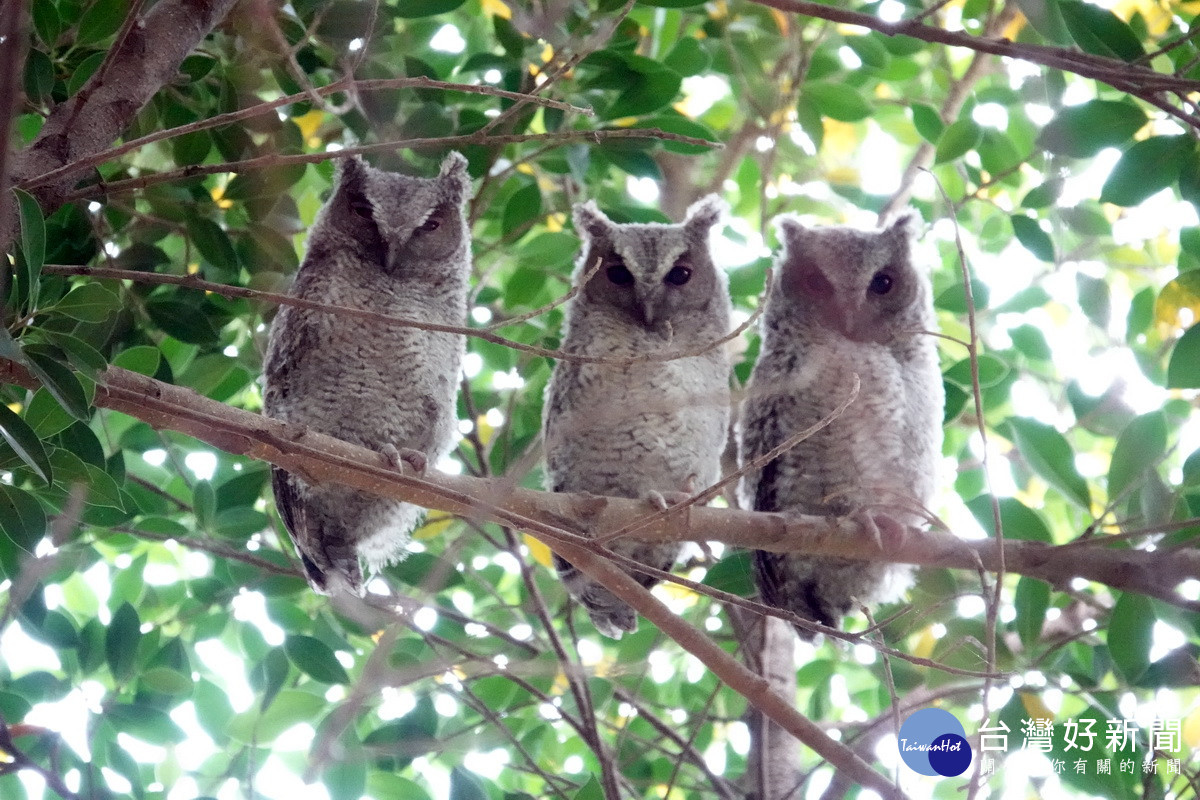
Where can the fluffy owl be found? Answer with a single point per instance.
(847, 302)
(647, 429)
(397, 245)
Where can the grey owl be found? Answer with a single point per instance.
(397, 245)
(847, 302)
(644, 429)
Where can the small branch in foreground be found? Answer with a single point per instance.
(342, 85)
(192, 282)
(439, 142)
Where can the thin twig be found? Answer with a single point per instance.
(193, 282)
(346, 84)
(439, 142)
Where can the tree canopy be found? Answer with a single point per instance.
(161, 164)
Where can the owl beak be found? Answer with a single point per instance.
(395, 248)
(647, 303)
(647, 307)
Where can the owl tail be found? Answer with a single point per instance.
(326, 551)
(611, 615)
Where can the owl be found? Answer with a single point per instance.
(847, 303)
(397, 245)
(647, 430)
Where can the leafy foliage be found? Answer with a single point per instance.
(157, 638)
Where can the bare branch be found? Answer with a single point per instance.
(438, 142)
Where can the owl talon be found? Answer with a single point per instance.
(664, 500)
(399, 457)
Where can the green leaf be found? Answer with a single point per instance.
(954, 299)
(212, 242)
(1148, 167)
(1049, 455)
(59, 382)
(1094, 298)
(33, 242)
(1130, 634)
(165, 680)
(732, 574)
(1084, 130)
(315, 659)
(1032, 237)
(687, 57)
(25, 443)
(182, 320)
(204, 505)
(1183, 371)
(121, 642)
(645, 93)
(101, 19)
(89, 302)
(412, 9)
(47, 22)
(927, 121)
(1139, 448)
(465, 785)
(291, 707)
(1099, 31)
(1019, 521)
(144, 722)
(837, 101)
(1031, 601)
(592, 790)
(991, 371)
(22, 518)
(143, 359)
(45, 415)
(522, 209)
(1046, 19)
(957, 140)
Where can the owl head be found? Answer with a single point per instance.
(651, 273)
(399, 223)
(863, 285)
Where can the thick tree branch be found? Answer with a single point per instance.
(142, 62)
(12, 55)
(544, 514)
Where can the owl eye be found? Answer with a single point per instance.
(618, 273)
(679, 274)
(362, 207)
(882, 283)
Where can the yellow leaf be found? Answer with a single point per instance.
(1181, 293)
(309, 123)
(484, 429)
(547, 54)
(1191, 730)
(496, 9)
(218, 196)
(525, 169)
(846, 176)
(556, 222)
(624, 122)
(540, 552)
(841, 138)
(925, 643)
(15, 408)
(1155, 13)
(193, 268)
(781, 20)
(435, 525)
(5, 758)
(1013, 28)
(1035, 707)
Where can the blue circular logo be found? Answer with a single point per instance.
(933, 742)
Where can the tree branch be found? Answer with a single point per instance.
(141, 63)
(324, 459)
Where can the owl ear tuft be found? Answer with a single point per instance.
(790, 230)
(590, 221)
(454, 175)
(706, 212)
(907, 223)
(350, 171)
